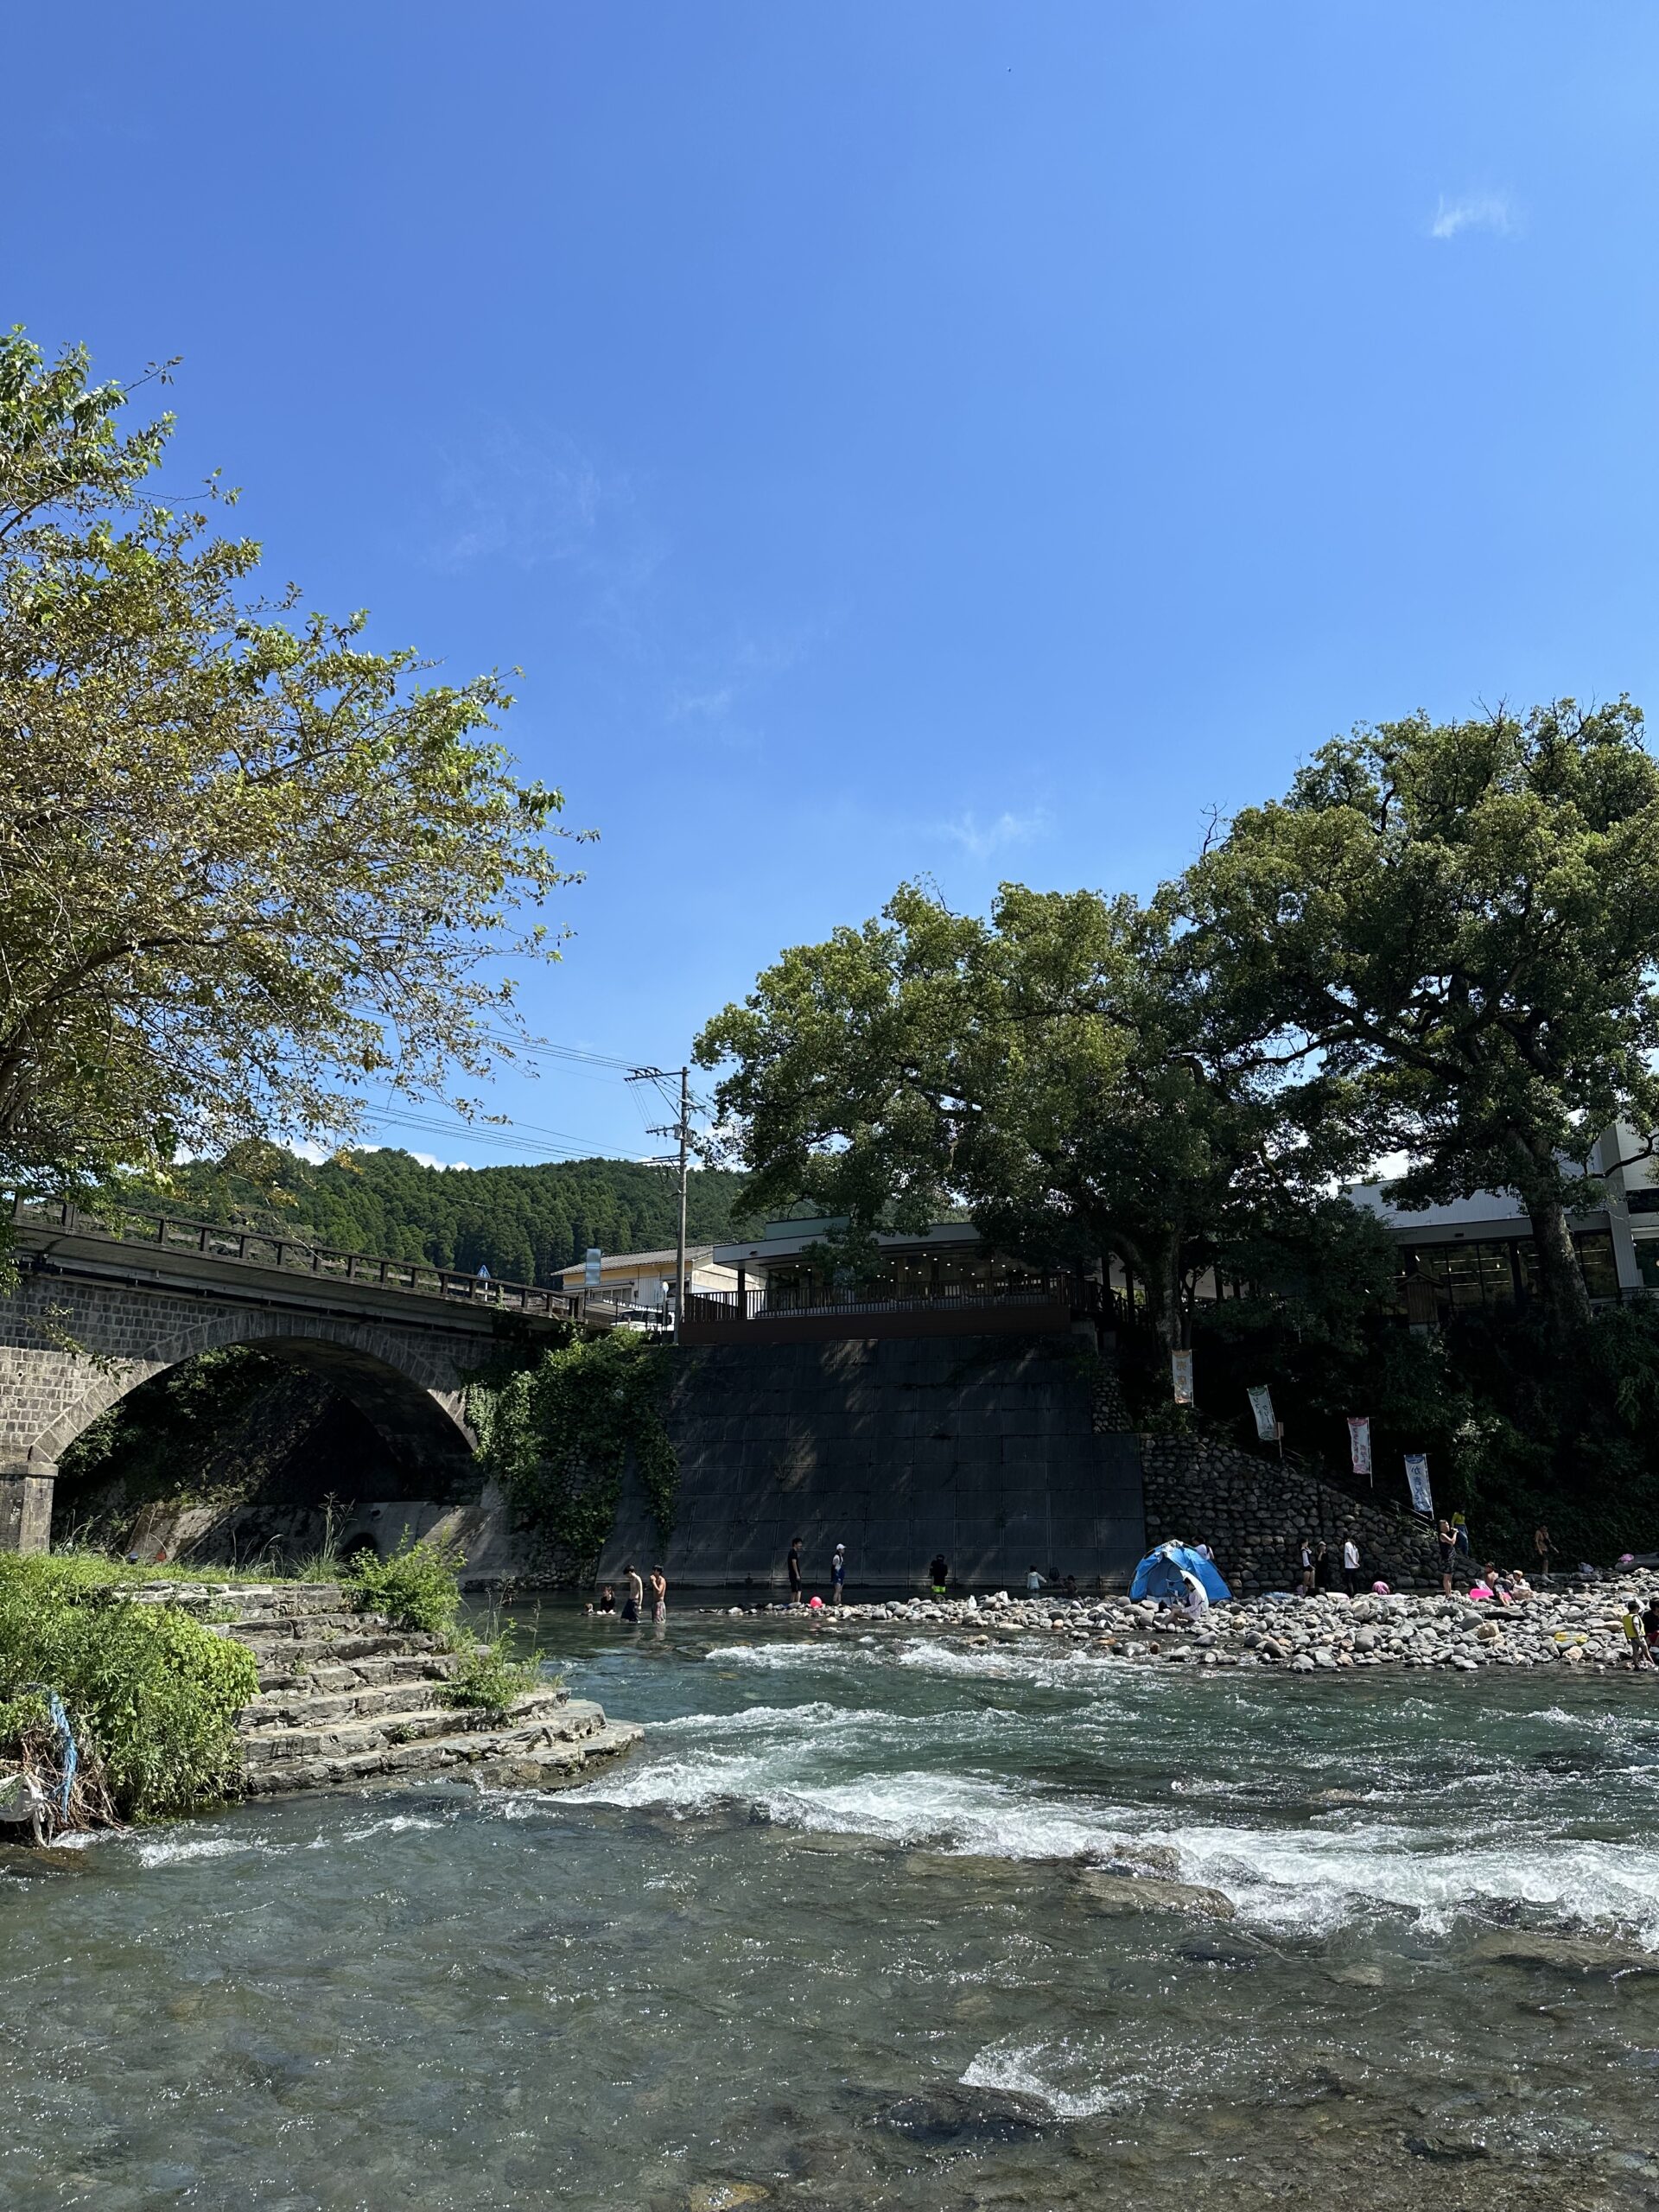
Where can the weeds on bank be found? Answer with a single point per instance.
(491, 1678)
(150, 1694)
(415, 1587)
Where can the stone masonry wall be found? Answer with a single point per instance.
(69, 1348)
(1253, 1514)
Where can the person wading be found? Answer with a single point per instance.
(631, 1604)
(658, 1594)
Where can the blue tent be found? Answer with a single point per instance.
(1159, 1575)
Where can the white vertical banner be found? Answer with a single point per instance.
(1266, 1427)
(1423, 1498)
(590, 1269)
(1359, 1444)
(1180, 1375)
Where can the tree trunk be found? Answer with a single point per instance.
(1560, 1279)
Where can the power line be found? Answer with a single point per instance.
(537, 1049)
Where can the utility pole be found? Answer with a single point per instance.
(680, 1130)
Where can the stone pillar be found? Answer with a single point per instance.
(26, 1512)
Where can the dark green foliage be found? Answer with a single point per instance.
(524, 1223)
(557, 1437)
(151, 1692)
(416, 1586)
(1521, 1424)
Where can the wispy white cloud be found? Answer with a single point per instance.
(711, 706)
(535, 498)
(1475, 211)
(981, 842)
(734, 678)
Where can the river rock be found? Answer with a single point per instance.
(1147, 1893)
(1575, 1954)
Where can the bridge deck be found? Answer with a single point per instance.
(54, 1229)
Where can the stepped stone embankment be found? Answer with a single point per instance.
(1575, 1628)
(346, 1696)
(1254, 1514)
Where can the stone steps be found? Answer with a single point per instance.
(305, 1735)
(492, 1756)
(348, 1697)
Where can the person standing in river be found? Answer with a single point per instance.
(631, 1604)
(658, 1594)
(795, 1594)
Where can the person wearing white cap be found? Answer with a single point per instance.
(838, 1576)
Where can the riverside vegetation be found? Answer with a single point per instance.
(152, 1687)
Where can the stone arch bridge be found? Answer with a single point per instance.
(103, 1304)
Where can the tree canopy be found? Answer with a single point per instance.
(250, 869)
(1058, 1069)
(1461, 922)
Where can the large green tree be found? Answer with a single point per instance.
(249, 869)
(1461, 921)
(1060, 1069)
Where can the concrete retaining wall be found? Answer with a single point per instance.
(984, 1447)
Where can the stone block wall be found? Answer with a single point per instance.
(1253, 1514)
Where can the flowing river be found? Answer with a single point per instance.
(828, 1938)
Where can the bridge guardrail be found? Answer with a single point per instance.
(295, 1255)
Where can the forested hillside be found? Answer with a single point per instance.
(524, 1223)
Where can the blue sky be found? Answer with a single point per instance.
(950, 438)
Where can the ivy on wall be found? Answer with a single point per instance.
(557, 1436)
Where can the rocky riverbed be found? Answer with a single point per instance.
(1573, 1628)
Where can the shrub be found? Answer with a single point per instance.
(491, 1678)
(557, 1437)
(418, 1586)
(150, 1693)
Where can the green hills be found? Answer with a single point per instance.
(524, 1223)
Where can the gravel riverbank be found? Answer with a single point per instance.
(1578, 1628)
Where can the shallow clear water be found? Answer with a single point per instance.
(827, 1937)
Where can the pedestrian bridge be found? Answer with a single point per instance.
(104, 1301)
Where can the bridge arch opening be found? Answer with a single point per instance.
(261, 1446)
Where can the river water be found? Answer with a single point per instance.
(827, 1940)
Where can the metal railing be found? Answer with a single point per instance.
(300, 1255)
(766, 1305)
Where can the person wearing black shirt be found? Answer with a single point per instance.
(795, 1573)
(940, 1572)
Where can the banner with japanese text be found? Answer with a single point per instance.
(1423, 1498)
